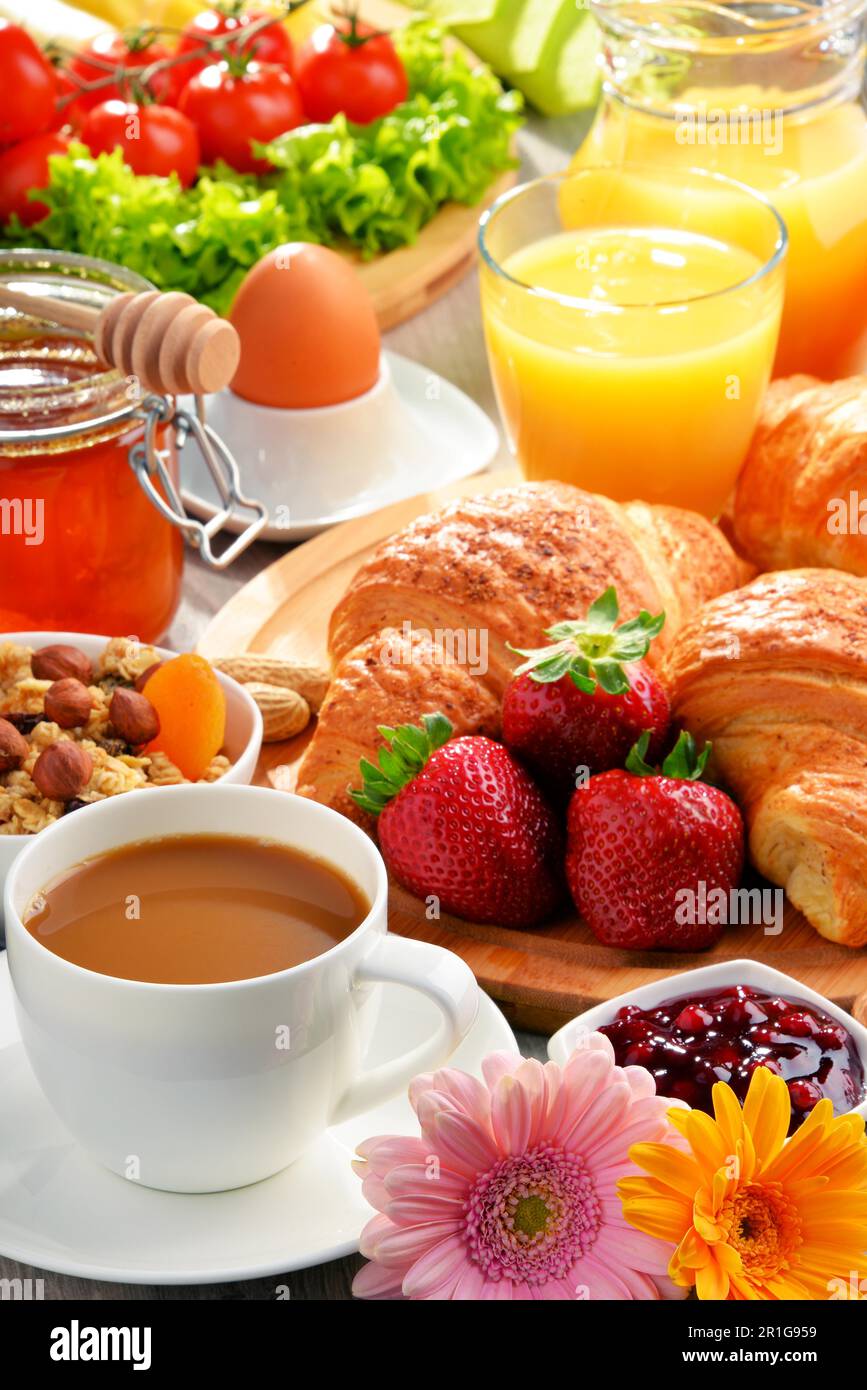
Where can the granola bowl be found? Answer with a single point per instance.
(24, 811)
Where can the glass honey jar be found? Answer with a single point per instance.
(92, 524)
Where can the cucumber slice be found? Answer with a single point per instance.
(454, 12)
(567, 77)
(533, 28)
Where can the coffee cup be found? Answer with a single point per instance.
(205, 1087)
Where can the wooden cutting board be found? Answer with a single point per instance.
(542, 977)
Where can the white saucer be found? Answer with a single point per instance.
(411, 433)
(59, 1210)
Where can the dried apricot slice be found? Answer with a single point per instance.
(189, 700)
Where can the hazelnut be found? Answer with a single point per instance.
(13, 746)
(133, 716)
(146, 675)
(68, 703)
(62, 771)
(56, 662)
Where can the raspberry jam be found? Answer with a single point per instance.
(691, 1042)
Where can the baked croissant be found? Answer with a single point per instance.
(775, 674)
(425, 622)
(798, 494)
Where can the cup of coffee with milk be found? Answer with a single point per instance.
(196, 978)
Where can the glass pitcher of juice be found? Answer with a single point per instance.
(92, 524)
(771, 95)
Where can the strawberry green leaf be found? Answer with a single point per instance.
(683, 762)
(553, 667)
(405, 753)
(603, 613)
(611, 677)
(593, 650)
(635, 759)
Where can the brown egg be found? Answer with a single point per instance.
(309, 335)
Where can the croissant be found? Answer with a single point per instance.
(425, 623)
(801, 497)
(775, 675)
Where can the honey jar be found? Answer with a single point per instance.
(92, 524)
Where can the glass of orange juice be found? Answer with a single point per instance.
(631, 324)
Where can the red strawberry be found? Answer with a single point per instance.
(646, 851)
(460, 819)
(577, 707)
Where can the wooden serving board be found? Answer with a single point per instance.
(542, 977)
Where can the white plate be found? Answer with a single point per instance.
(411, 433)
(59, 1210)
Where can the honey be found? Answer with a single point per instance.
(82, 548)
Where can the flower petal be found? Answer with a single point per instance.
(466, 1092)
(418, 1178)
(712, 1281)
(378, 1281)
(767, 1112)
(403, 1245)
(386, 1150)
(498, 1064)
(465, 1147)
(512, 1114)
(677, 1170)
(438, 1263)
(598, 1280)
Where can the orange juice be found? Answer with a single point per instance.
(813, 167)
(631, 359)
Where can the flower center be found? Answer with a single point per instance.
(764, 1228)
(532, 1216)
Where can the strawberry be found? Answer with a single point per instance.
(577, 707)
(646, 851)
(459, 819)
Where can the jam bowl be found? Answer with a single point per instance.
(241, 745)
(718, 1023)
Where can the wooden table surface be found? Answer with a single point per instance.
(448, 339)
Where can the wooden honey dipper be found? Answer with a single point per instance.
(173, 344)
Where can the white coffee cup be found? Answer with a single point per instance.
(199, 1088)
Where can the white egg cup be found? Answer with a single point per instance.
(412, 431)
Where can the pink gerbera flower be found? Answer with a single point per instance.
(511, 1189)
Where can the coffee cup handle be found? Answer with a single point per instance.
(445, 979)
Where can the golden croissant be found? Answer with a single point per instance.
(425, 623)
(775, 675)
(801, 497)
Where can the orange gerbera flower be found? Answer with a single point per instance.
(754, 1217)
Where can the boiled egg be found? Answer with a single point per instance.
(308, 330)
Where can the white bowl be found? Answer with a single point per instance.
(706, 977)
(243, 728)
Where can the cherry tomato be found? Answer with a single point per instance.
(229, 111)
(270, 45)
(152, 139)
(121, 51)
(352, 70)
(26, 86)
(22, 167)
